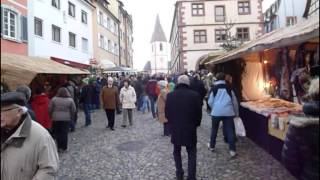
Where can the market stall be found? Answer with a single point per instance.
(272, 81)
(17, 69)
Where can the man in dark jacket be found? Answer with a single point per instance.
(198, 86)
(86, 98)
(300, 153)
(183, 110)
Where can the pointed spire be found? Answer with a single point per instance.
(158, 33)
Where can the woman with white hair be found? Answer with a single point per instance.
(163, 85)
(110, 101)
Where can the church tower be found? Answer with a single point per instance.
(159, 50)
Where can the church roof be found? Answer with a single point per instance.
(158, 33)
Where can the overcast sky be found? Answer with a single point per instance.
(144, 15)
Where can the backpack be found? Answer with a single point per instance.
(215, 88)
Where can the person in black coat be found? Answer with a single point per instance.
(198, 86)
(183, 109)
(300, 153)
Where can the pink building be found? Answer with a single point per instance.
(14, 27)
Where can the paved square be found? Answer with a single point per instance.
(142, 153)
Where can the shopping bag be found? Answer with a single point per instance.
(240, 130)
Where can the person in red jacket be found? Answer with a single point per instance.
(40, 106)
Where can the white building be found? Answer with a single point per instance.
(61, 30)
(159, 50)
(199, 28)
(283, 13)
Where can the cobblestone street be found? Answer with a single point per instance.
(141, 153)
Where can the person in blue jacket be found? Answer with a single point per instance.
(224, 105)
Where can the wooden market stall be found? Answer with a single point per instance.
(273, 78)
(17, 69)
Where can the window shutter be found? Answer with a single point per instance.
(99, 42)
(2, 20)
(105, 40)
(98, 16)
(24, 29)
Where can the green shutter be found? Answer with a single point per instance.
(24, 28)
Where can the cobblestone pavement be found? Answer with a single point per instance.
(141, 153)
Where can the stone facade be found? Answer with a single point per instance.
(197, 16)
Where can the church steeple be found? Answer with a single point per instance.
(158, 33)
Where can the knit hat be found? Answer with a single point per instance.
(162, 84)
(184, 79)
(25, 90)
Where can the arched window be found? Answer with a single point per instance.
(161, 48)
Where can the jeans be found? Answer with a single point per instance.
(110, 116)
(139, 102)
(127, 113)
(87, 113)
(228, 129)
(145, 104)
(192, 161)
(153, 100)
(60, 132)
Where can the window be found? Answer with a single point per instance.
(72, 39)
(108, 23)
(200, 36)
(56, 33)
(84, 45)
(161, 48)
(10, 23)
(37, 26)
(72, 10)
(84, 17)
(55, 3)
(100, 17)
(101, 40)
(243, 7)
(243, 34)
(115, 28)
(197, 9)
(220, 13)
(221, 35)
(115, 48)
(291, 20)
(109, 46)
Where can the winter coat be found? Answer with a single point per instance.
(222, 104)
(110, 97)
(161, 102)
(198, 86)
(183, 109)
(300, 153)
(29, 153)
(40, 105)
(151, 88)
(62, 109)
(96, 94)
(87, 94)
(128, 97)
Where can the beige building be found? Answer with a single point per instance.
(198, 28)
(105, 35)
(125, 37)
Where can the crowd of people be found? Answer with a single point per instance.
(37, 118)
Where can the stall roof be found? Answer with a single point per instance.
(299, 33)
(17, 69)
